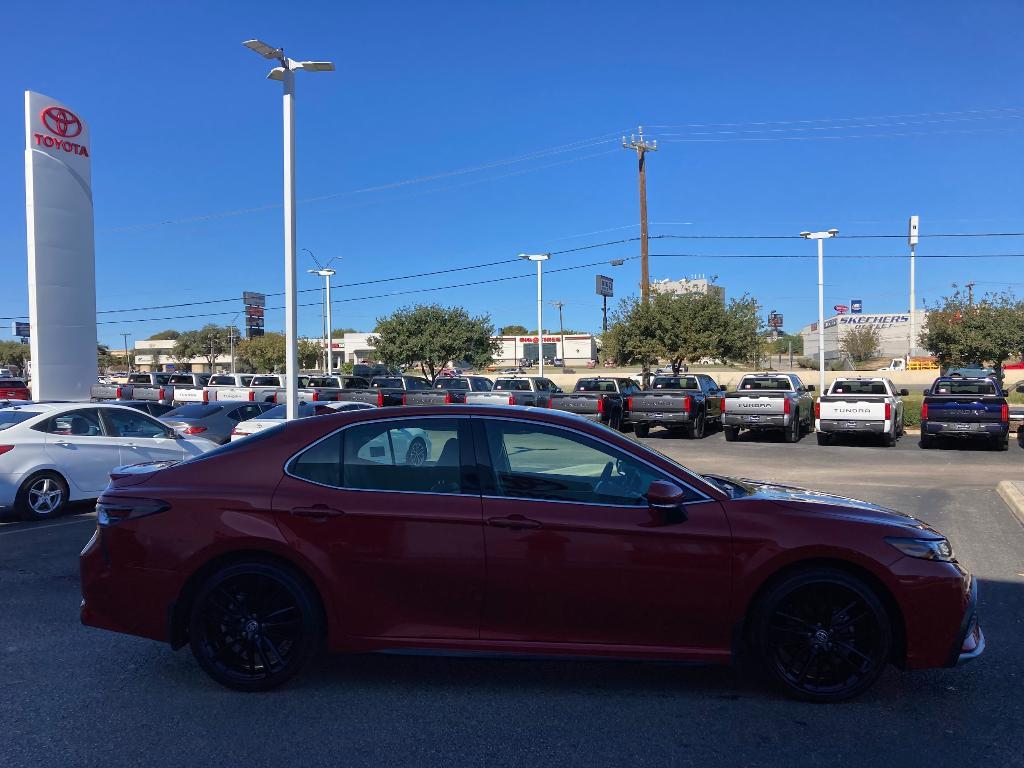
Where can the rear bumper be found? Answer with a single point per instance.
(766, 421)
(991, 430)
(838, 425)
(655, 419)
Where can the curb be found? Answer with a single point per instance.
(1013, 496)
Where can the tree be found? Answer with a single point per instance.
(432, 336)
(632, 337)
(781, 345)
(263, 353)
(311, 353)
(209, 342)
(168, 335)
(960, 333)
(14, 353)
(860, 343)
(342, 331)
(513, 330)
(743, 337)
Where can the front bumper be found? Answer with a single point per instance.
(839, 425)
(990, 430)
(970, 639)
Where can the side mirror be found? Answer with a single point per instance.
(904, 392)
(926, 392)
(665, 501)
(810, 387)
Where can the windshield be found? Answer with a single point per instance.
(953, 387)
(183, 378)
(193, 411)
(764, 382)
(9, 418)
(223, 380)
(675, 382)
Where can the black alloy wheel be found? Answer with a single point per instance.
(732, 434)
(822, 635)
(254, 625)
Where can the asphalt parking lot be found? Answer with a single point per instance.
(73, 696)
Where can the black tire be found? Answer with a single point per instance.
(732, 434)
(889, 441)
(253, 626)
(42, 496)
(615, 422)
(821, 635)
(1002, 444)
(641, 430)
(927, 441)
(792, 433)
(695, 429)
(823, 438)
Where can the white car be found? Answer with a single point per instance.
(276, 415)
(53, 453)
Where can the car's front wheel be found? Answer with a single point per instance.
(641, 430)
(42, 496)
(252, 626)
(822, 635)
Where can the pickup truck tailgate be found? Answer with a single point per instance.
(235, 393)
(577, 402)
(193, 395)
(754, 405)
(833, 408)
(426, 398)
(490, 398)
(964, 408)
(660, 402)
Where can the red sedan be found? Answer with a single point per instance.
(512, 530)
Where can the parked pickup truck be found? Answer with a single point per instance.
(965, 407)
(448, 390)
(769, 401)
(601, 399)
(860, 406)
(517, 390)
(126, 390)
(386, 390)
(208, 392)
(266, 388)
(322, 388)
(689, 403)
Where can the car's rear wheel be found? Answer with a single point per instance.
(823, 438)
(732, 434)
(792, 433)
(695, 430)
(641, 430)
(254, 625)
(822, 635)
(927, 441)
(42, 496)
(1002, 444)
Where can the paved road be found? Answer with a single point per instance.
(74, 696)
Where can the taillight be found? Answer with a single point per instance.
(1004, 415)
(316, 396)
(117, 393)
(924, 411)
(687, 403)
(405, 398)
(600, 405)
(817, 411)
(787, 406)
(723, 404)
(629, 403)
(206, 396)
(5, 448)
(237, 431)
(888, 411)
(273, 399)
(511, 399)
(112, 512)
(380, 398)
(447, 398)
(252, 396)
(160, 394)
(193, 430)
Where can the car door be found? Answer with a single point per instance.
(81, 450)
(140, 437)
(712, 396)
(573, 552)
(391, 509)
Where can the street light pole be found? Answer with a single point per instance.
(285, 72)
(820, 237)
(912, 237)
(540, 258)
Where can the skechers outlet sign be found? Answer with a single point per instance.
(886, 320)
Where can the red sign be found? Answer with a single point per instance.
(841, 308)
(61, 122)
(534, 339)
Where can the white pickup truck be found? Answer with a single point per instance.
(263, 388)
(856, 405)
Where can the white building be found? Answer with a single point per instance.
(893, 332)
(695, 284)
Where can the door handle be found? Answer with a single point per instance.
(321, 511)
(514, 522)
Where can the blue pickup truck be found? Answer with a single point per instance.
(964, 407)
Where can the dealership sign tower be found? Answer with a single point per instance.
(61, 252)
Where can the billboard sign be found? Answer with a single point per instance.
(856, 306)
(21, 329)
(61, 250)
(605, 286)
(774, 320)
(842, 309)
(255, 308)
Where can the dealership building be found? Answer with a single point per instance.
(893, 332)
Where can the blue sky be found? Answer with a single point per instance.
(187, 148)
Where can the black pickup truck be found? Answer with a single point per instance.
(688, 403)
(449, 390)
(965, 408)
(386, 390)
(601, 399)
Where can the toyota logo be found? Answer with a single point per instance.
(61, 122)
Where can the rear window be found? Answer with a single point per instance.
(512, 385)
(844, 387)
(139, 378)
(266, 381)
(9, 418)
(452, 384)
(322, 381)
(382, 382)
(220, 380)
(12, 383)
(182, 378)
(675, 382)
(194, 411)
(595, 385)
(765, 382)
(964, 388)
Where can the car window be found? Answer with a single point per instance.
(181, 378)
(547, 464)
(674, 382)
(420, 455)
(355, 383)
(595, 385)
(765, 383)
(219, 380)
(321, 462)
(412, 383)
(12, 383)
(124, 423)
(512, 385)
(139, 378)
(158, 409)
(9, 418)
(451, 384)
(381, 382)
(245, 412)
(481, 385)
(83, 423)
(266, 381)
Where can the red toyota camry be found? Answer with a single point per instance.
(512, 530)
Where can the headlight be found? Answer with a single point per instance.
(926, 549)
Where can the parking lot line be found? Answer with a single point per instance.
(88, 518)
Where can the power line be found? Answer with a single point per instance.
(835, 257)
(887, 135)
(858, 126)
(991, 110)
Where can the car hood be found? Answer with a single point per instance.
(824, 503)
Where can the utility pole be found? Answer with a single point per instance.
(970, 294)
(642, 146)
(127, 359)
(561, 330)
(231, 345)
